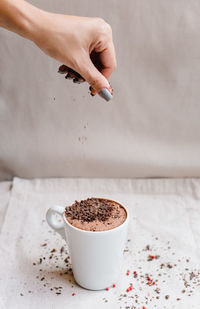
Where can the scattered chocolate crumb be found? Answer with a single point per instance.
(169, 265)
(61, 250)
(53, 250)
(42, 278)
(192, 275)
(157, 290)
(21, 294)
(44, 245)
(166, 296)
(152, 257)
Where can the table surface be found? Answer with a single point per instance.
(163, 244)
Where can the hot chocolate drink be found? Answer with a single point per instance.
(95, 214)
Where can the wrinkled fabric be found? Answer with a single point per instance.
(164, 214)
(151, 128)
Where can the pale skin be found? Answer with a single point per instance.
(69, 39)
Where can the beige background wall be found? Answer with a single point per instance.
(51, 127)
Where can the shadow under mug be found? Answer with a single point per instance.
(96, 256)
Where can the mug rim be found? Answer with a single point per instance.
(97, 232)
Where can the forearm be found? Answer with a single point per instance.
(20, 17)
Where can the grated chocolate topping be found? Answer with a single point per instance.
(90, 209)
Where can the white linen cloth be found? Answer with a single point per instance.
(151, 128)
(163, 213)
(5, 190)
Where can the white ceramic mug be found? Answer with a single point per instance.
(96, 256)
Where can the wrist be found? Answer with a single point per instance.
(34, 20)
(20, 17)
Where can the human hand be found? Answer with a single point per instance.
(83, 44)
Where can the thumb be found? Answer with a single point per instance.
(97, 81)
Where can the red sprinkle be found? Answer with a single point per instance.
(148, 278)
(127, 273)
(114, 285)
(107, 289)
(154, 282)
(143, 307)
(129, 288)
(135, 272)
(73, 294)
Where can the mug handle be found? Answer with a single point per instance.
(53, 222)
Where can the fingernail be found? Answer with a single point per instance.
(105, 94)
